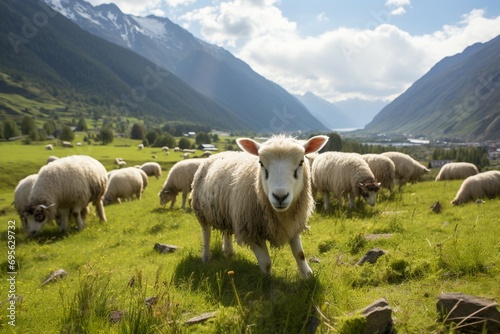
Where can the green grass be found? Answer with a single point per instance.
(112, 266)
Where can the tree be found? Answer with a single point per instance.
(50, 127)
(165, 140)
(334, 143)
(82, 125)
(106, 135)
(10, 128)
(27, 125)
(66, 134)
(151, 136)
(184, 143)
(203, 138)
(137, 131)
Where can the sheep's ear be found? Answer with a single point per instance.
(248, 145)
(315, 144)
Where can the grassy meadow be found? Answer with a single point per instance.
(112, 268)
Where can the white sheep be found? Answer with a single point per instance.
(186, 155)
(263, 194)
(49, 147)
(382, 168)
(67, 144)
(51, 158)
(179, 179)
(124, 184)
(145, 180)
(486, 184)
(152, 168)
(344, 174)
(63, 187)
(78, 144)
(165, 149)
(117, 160)
(122, 164)
(140, 147)
(456, 171)
(21, 196)
(407, 168)
(177, 149)
(186, 150)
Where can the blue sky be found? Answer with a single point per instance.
(367, 49)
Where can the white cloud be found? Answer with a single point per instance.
(322, 17)
(179, 3)
(397, 7)
(143, 7)
(398, 11)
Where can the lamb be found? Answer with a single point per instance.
(63, 187)
(263, 194)
(456, 171)
(49, 147)
(124, 184)
(407, 168)
(152, 168)
(179, 179)
(51, 158)
(382, 168)
(21, 195)
(344, 174)
(486, 184)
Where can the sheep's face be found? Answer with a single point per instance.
(166, 196)
(369, 191)
(281, 161)
(35, 217)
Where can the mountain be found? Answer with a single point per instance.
(213, 71)
(458, 98)
(43, 54)
(328, 113)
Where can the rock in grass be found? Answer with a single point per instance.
(468, 313)
(436, 207)
(115, 316)
(371, 256)
(56, 275)
(375, 318)
(163, 248)
(201, 318)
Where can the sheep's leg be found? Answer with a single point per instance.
(352, 201)
(76, 212)
(262, 255)
(100, 210)
(173, 202)
(184, 197)
(227, 246)
(63, 220)
(300, 258)
(326, 200)
(206, 234)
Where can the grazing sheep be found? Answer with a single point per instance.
(122, 164)
(63, 187)
(186, 150)
(186, 155)
(140, 147)
(407, 168)
(206, 154)
(382, 168)
(51, 158)
(78, 144)
(21, 196)
(145, 180)
(177, 149)
(124, 184)
(66, 144)
(456, 171)
(165, 149)
(486, 184)
(49, 147)
(117, 160)
(263, 194)
(179, 179)
(344, 174)
(151, 168)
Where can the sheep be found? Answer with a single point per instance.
(177, 149)
(344, 174)
(456, 171)
(66, 144)
(477, 186)
(124, 184)
(145, 180)
(78, 144)
(179, 179)
(49, 147)
(206, 154)
(21, 195)
(383, 169)
(152, 168)
(186, 150)
(261, 194)
(63, 187)
(165, 149)
(186, 155)
(117, 160)
(51, 158)
(122, 164)
(407, 168)
(140, 147)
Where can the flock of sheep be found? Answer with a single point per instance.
(264, 194)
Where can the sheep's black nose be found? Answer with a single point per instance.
(280, 197)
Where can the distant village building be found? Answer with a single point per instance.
(207, 147)
(439, 163)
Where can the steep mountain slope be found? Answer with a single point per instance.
(260, 103)
(42, 48)
(458, 98)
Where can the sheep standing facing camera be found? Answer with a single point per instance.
(179, 179)
(486, 184)
(63, 187)
(456, 171)
(262, 194)
(344, 174)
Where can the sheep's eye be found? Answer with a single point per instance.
(296, 172)
(39, 218)
(265, 169)
(301, 163)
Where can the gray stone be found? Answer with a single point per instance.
(468, 313)
(378, 317)
(163, 248)
(371, 256)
